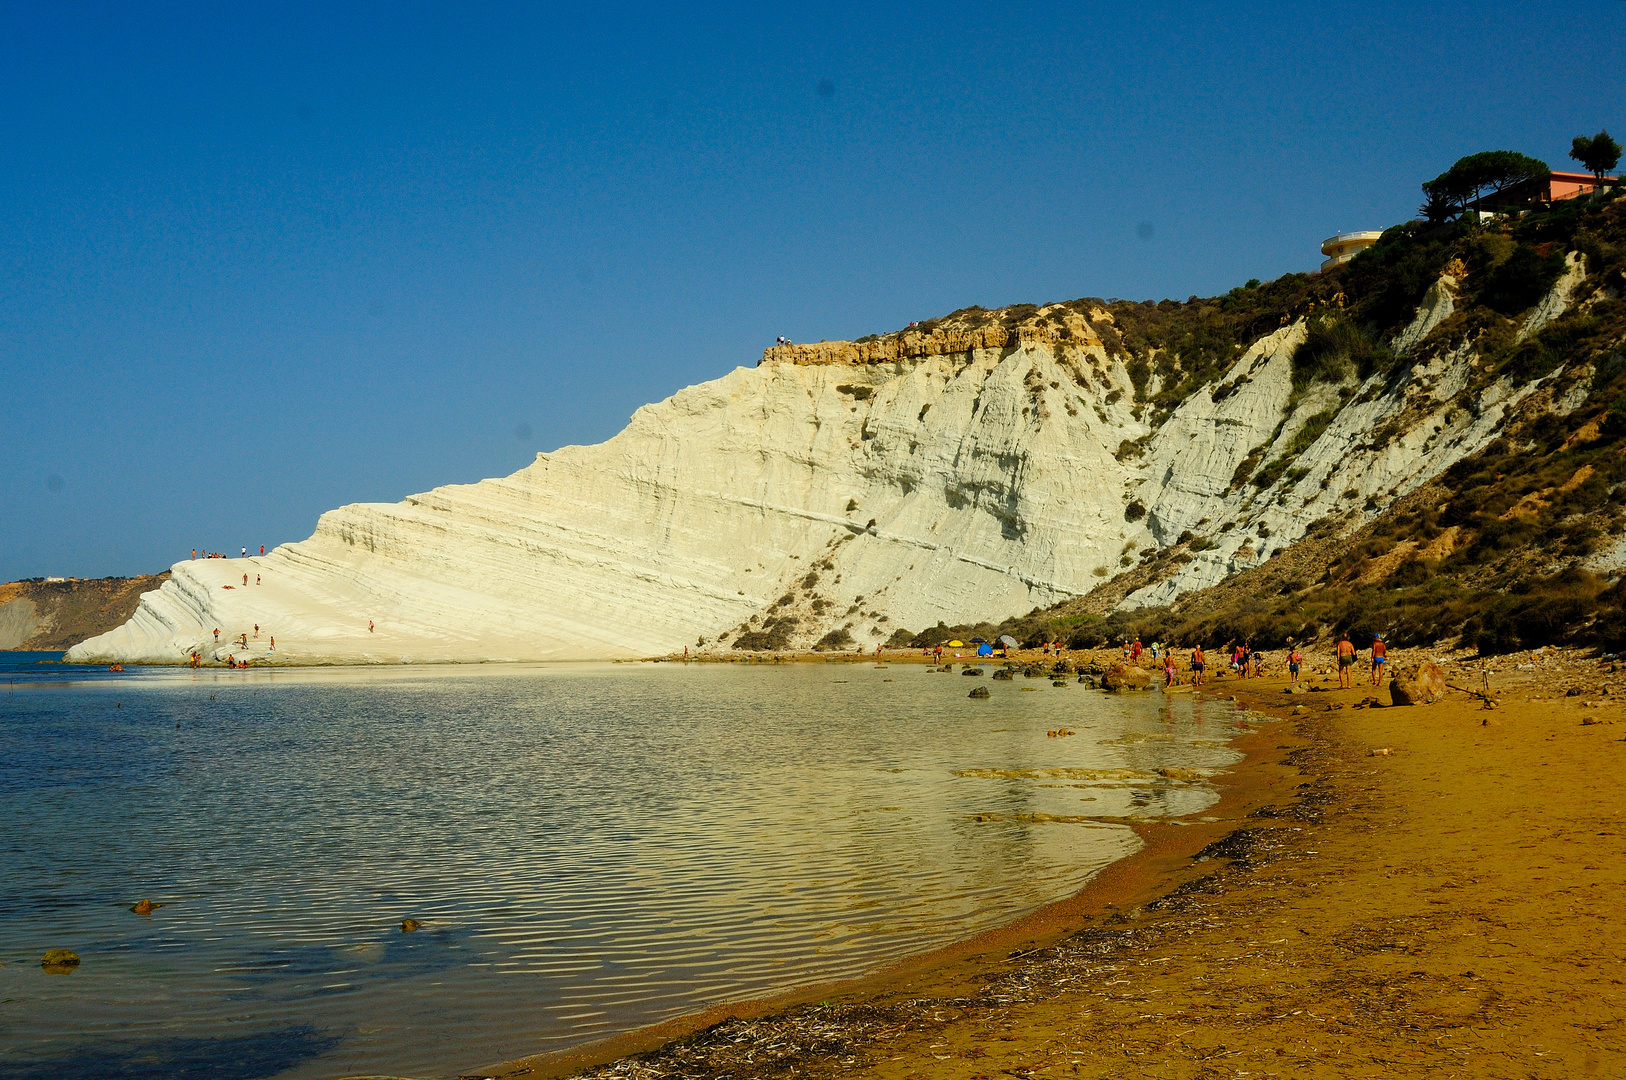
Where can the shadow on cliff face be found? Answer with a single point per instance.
(242, 1057)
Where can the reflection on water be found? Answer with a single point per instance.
(589, 848)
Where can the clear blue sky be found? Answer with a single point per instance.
(257, 261)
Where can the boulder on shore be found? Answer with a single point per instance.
(1421, 684)
(1126, 677)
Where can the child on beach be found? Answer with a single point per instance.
(1168, 670)
(1258, 665)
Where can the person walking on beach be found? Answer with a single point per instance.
(1379, 652)
(1168, 670)
(1258, 664)
(1293, 661)
(1346, 660)
(1134, 650)
(256, 629)
(1199, 663)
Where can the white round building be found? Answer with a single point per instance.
(1345, 246)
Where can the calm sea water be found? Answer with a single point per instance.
(590, 848)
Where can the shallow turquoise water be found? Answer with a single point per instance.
(590, 847)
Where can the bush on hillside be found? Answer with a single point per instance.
(1335, 350)
(1521, 280)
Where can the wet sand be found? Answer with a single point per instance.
(1450, 908)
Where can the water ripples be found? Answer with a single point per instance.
(589, 848)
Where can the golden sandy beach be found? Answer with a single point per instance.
(1449, 908)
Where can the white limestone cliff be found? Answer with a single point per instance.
(857, 487)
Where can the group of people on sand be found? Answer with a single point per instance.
(222, 555)
(1245, 660)
(1347, 658)
(1249, 662)
(241, 642)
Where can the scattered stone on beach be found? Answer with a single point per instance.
(1125, 677)
(1295, 688)
(980, 692)
(1421, 684)
(409, 925)
(60, 961)
(145, 907)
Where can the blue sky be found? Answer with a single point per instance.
(257, 261)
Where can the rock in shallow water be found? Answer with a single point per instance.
(60, 961)
(980, 692)
(1125, 677)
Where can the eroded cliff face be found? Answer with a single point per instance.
(845, 490)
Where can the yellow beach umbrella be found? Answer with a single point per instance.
(956, 644)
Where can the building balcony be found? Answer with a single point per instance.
(1345, 246)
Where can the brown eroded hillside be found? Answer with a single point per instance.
(47, 616)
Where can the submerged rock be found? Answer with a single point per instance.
(60, 961)
(1004, 674)
(972, 671)
(409, 925)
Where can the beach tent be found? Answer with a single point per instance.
(956, 644)
(985, 649)
(1009, 642)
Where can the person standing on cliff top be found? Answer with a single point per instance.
(245, 553)
(1346, 660)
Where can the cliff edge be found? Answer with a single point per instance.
(970, 468)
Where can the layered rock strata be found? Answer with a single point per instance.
(845, 489)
